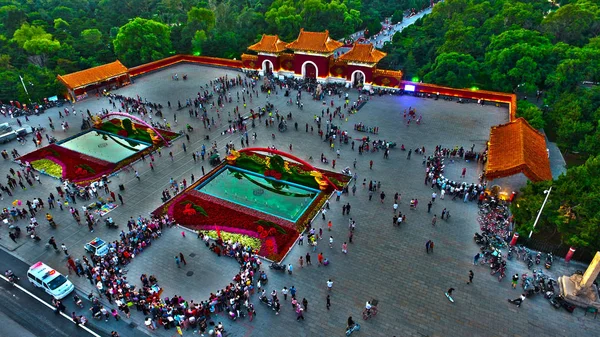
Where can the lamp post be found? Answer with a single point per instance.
(547, 192)
(25, 88)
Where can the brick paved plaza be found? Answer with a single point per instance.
(384, 262)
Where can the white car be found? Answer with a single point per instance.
(53, 282)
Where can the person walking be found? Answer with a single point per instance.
(64, 248)
(299, 313)
(320, 258)
(431, 246)
(52, 242)
(137, 175)
(476, 258)
(308, 263)
(182, 258)
(345, 248)
(427, 244)
(330, 241)
(518, 301)
(429, 207)
(434, 220)
(371, 165)
(284, 292)
(382, 196)
(290, 269)
(328, 302)
(301, 261)
(121, 199)
(515, 280)
(470, 277)
(177, 261)
(329, 285)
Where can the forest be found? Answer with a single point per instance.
(42, 38)
(524, 46)
(520, 46)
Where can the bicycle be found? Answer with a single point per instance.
(351, 329)
(369, 313)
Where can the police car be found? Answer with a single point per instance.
(53, 282)
(97, 247)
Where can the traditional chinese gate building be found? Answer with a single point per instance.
(314, 56)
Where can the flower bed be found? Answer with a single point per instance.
(202, 212)
(75, 166)
(134, 130)
(289, 171)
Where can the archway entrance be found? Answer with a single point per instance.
(357, 78)
(309, 70)
(267, 67)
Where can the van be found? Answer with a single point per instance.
(53, 282)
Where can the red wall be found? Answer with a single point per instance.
(321, 62)
(274, 60)
(368, 72)
(144, 68)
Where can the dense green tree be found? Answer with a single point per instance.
(454, 70)
(531, 113)
(141, 41)
(36, 42)
(574, 23)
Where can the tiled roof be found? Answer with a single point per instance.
(314, 41)
(516, 147)
(363, 52)
(93, 75)
(269, 44)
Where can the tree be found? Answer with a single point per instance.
(574, 23)
(141, 41)
(35, 41)
(454, 70)
(531, 113)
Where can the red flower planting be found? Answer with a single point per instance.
(276, 239)
(77, 167)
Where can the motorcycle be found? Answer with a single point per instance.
(538, 258)
(266, 300)
(277, 266)
(12, 278)
(110, 223)
(52, 223)
(78, 301)
(529, 263)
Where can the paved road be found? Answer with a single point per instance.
(22, 315)
(384, 262)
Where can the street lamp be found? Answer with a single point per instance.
(547, 193)
(25, 88)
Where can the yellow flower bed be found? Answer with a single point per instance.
(243, 239)
(48, 167)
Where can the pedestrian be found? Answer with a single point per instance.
(345, 248)
(284, 291)
(433, 196)
(121, 199)
(518, 301)
(202, 169)
(476, 258)
(329, 285)
(350, 236)
(382, 196)
(137, 175)
(183, 234)
(427, 244)
(12, 237)
(464, 172)
(177, 261)
(301, 261)
(293, 291)
(182, 258)
(320, 258)
(434, 220)
(515, 280)
(329, 225)
(308, 263)
(371, 165)
(305, 304)
(299, 313)
(330, 241)
(328, 302)
(431, 246)
(429, 207)
(353, 189)
(52, 242)
(290, 269)
(64, 248)
(470, 277)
